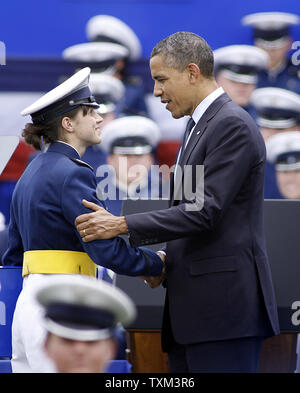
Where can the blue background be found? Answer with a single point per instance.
(44, 28)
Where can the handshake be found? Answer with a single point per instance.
(155, 281)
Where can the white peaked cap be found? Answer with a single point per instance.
(83, 308)
(72, 90)
(241, 55)
(240, 63)
(271, 29)
(95, 52)
(104, 84)
(287, 142)
(275, 97)
(270, 103)
(270, 20)
(115, 29)
(130, 127)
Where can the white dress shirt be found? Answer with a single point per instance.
(201, 108)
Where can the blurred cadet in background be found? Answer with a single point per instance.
(129, 142)
(236, 70)
(283, 150)
(271, 32)
(109, 31)
(278, 110)
(80, 317)
(108, 91)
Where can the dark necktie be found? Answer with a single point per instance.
(189, 127)
(187, 132)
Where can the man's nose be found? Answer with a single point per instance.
(157, 91)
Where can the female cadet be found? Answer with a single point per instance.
(46, 201)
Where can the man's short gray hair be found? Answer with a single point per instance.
(182, 48)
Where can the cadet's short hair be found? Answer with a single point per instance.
(182, 48)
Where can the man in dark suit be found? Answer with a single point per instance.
(220, 300)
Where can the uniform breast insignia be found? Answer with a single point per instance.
(82, 163)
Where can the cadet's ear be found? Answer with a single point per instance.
(66, 124)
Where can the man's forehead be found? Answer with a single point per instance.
(159, 67)
(157, 61)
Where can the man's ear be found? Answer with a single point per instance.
(66, 124)
(194, 72)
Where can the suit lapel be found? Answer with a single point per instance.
(198, 131)
(202, 125)
(176, 184)
(195, 137)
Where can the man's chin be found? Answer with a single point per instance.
(176, 115)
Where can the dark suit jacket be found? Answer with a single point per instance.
(218, 277)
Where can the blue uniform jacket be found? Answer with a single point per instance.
(288, 78)
(46, 201)
(271, 190)
(133, 101)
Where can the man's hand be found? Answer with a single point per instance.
(100, 224)
(155, 281)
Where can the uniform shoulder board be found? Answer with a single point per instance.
(82, 163)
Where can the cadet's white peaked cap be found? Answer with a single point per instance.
(271, 28)
(277, 108)
(270, 20)
(283, 150)
(241, 63)
(104, 84)
(108, 90)
(95, 52)
(109, 28)
(130, 135)
(83, 308)
(70, 94)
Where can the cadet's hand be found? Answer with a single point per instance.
(100, 224)
(155, 281)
